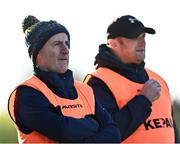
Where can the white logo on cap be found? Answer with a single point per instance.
(132, 20)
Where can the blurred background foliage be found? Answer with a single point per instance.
(8, 133)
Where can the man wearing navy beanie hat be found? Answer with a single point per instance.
(137, 98)
(37, 33)
(50, 106)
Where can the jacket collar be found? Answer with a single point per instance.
(60, 84)
(106, 58)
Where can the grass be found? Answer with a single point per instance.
(8, 133)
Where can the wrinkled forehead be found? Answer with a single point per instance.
(59, 37)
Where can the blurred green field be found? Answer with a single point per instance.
(176, 108)
(7, 130)
(8, 133)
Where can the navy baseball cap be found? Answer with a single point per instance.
(127, 26)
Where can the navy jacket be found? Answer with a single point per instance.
(33, 111)
(130, 117)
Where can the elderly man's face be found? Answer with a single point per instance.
(54, 56)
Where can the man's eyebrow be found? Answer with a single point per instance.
(57, 41)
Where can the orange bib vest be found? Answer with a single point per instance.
(158, 127)
(83, 105)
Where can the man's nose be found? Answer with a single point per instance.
(65, 49)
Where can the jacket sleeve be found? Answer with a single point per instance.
(130, 117)
(34, 112)
(108, 130)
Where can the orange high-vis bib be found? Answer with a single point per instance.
(158, 128)
(83, 105)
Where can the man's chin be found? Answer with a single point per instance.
(62, 70)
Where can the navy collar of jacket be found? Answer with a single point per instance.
(106, 58)
(61, 84)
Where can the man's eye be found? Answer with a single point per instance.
(56, 44)
(68, 43)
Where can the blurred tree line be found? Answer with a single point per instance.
(176, 109)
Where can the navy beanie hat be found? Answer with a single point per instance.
(37, 33)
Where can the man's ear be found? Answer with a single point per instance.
(113, 43)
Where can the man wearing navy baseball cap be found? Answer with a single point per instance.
(133, 94)
(127, 26)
